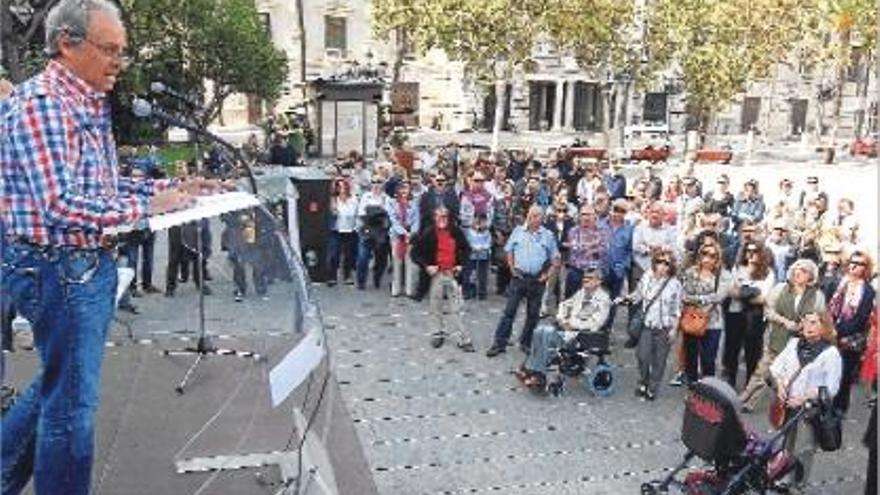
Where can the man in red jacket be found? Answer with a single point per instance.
(441, 250)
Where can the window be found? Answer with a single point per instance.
(334, 33)
(266, 22)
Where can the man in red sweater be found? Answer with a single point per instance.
(441, 250)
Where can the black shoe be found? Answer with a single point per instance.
(631, 343)
(129, 308)
(437, 340)
(331, 283)
(150, 289)
(641, 391)
(206, 290)
(527, 349)
(238, 295)
(135, 293)
(466, 347)
(207, 276)
(649, 396)
(169, 292)
(495, 350)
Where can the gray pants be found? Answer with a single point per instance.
(752, 393)
(446, 307)
(652, 351)
(806, 453)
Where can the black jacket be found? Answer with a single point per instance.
(424, 249)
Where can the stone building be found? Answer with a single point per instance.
(557, 97)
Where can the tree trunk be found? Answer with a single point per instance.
(301, 25)
(838, 97)
(500, 97)
(399, 52)
(608, 113)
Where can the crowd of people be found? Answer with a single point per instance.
(747, 278)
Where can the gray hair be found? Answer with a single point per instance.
(71, 17)
(806, 265)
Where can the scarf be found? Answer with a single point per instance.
(400, 245)
(842, 309)
(808, 351)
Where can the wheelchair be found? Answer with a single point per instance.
(572, 360)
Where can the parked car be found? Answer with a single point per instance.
(866, 146)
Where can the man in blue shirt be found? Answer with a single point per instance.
(620, 253)
(532, 254)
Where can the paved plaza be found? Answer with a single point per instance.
(428, 421)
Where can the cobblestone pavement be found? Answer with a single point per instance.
(439, 421)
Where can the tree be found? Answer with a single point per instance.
(493, 38)
(22, 36)
(717, 46)
(218, 41)
(838, 36)
(603, 36)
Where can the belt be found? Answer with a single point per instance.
(106, 242)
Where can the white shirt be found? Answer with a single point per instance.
(824, 371)
(370, 199)
(346, 215)
(741, 276)
(645, 236)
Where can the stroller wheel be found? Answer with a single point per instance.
(649, 489)
(600, 382)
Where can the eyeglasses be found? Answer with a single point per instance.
(857, 263)
(110, 52)
(376, 182)
(663, 262)
(475, 179)
(709, 254)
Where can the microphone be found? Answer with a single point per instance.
(143, 109)
(160, 88)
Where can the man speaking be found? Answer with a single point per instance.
(59, 192)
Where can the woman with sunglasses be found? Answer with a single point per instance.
(850, 307)
(659, 294)
(744, 317)
(787, 304)
(706, 285)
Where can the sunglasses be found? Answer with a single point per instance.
(663, 262)
(857, 263)
(478, 180)
(376, 182)
(709, 254)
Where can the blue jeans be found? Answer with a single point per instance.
(700, 354)
(475, 279)
(67, 295)
(520, 288)
(368, 249)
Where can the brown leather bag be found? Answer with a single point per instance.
(776, 414)
(694, 321)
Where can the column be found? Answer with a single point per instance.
(557, 110)
(569, 107)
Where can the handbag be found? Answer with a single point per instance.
(776, 414)
(694, 321)
(637, 319)
(828, 429)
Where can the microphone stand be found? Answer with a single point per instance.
(204, 346)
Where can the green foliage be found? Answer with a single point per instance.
(718, 46)
(594, 31)
(186, 43)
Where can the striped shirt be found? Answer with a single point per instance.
(58, 166)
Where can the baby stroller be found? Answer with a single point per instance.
(741, 463)
(572, 360)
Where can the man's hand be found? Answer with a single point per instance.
(792, 325)
(432, 270)
(456, 270)
(170, 200)
(199, 186)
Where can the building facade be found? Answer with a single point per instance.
(557, 97)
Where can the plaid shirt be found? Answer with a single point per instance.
(588, 246)
(58, 165)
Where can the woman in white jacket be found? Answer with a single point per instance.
(807, 363)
